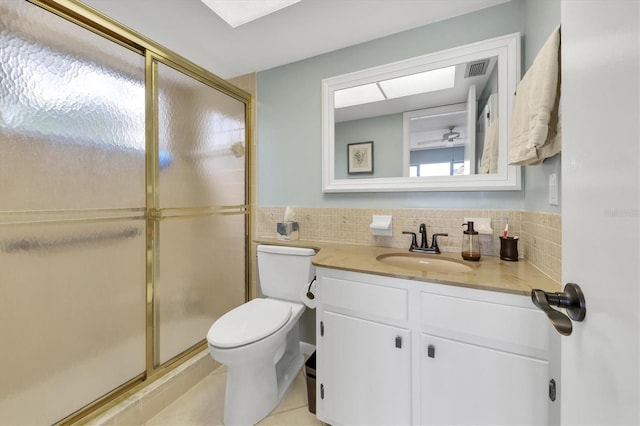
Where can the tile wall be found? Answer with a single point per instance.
(540, 236)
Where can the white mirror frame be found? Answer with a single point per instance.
(507, 48)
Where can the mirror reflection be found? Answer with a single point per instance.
(434, 122)
(434, 119)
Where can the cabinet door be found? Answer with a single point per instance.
(364, 372)
(468, 384)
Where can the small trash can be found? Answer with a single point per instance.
(310, 370)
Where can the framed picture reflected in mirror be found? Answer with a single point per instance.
(360, 157)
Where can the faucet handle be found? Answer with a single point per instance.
(423, 235)
(414, 241)
(434, 241)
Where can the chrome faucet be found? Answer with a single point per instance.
(423, 247)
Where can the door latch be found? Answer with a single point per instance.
(571, 299)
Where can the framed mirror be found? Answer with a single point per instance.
(438, 122)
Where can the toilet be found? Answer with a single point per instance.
(258, 341)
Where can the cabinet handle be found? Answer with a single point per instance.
(431, 351)
(399, 342)
(552, 390)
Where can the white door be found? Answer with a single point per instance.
(465, 384)
(366, 378)
(600, 215)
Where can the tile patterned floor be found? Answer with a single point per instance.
(204, 403)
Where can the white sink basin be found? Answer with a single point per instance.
(421, 262)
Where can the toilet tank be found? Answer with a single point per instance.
(284, 271)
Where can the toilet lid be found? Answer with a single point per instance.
(248, 323)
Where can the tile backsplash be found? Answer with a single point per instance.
(540, 236)
(542, 240)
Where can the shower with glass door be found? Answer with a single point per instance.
(123, 208)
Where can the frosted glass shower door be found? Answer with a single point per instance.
(123, 209)
(201, 193)
(72, 222)
(71, 115)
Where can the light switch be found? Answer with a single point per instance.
(553, 189)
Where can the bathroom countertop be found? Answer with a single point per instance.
(490, 273)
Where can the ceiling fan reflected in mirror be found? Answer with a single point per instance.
(450, 136)
(449, 139)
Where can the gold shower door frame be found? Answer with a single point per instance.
(155, 54)
(156, 214)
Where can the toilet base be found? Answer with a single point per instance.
(247, 405)
(255, 388)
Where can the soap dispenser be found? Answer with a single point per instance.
(470, 243)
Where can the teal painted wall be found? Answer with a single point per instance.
(385, 132)
(289, 112)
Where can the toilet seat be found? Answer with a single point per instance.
(248, 323)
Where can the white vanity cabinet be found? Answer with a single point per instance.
(365, 354)
(400, 351)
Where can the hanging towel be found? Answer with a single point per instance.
(535, 126)
(489, 162)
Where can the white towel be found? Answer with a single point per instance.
(535, 130)
(489, 162)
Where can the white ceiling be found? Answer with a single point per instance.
(303, 30)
